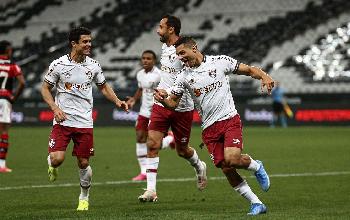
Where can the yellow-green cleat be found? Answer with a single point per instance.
(53, 172)
(83, 205)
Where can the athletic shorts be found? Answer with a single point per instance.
(180, 123)
(277, 107)
(142, 123)
(223, 134)
(82, 138)
(5, 111)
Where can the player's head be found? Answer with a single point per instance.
(169, 25)
(186, 49)
(5, 48)
(80, 40)
(148, 59)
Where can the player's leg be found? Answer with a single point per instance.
(181, 127)
(159, 125)
(83, 149)
(141, 147)
(241, 186)
(4, 145)
(58, 142)
(5, 121)
(233, 157)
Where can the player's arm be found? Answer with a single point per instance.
(169, 101)
(20, 87)
(108, 92)
(132, 100)
(47, 96)
(257, 73)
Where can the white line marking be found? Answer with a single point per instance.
(167, 180)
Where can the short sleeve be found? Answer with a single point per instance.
(16, 71)
(99, 78)
(138, 78)
(179, 86)
(52, 76)
(230, 64)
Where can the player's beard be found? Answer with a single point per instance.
(163, 38)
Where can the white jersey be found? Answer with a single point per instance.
(209, 88)
(74, 88)
(147, 82)
(171, 66)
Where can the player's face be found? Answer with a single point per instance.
(186, 55)
(163, 30)
(83, 47)
(147, 61)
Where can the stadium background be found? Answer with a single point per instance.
(304, 44)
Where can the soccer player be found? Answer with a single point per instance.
(205, 78)
(148, 79)
(9, 72)
(179, 119)
(73, 75)
(278, 103)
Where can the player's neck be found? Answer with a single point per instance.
(148, 70)
(172, 40)
(199, 59)
(76, 57)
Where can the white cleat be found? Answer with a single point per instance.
(148, 196)
(202, 177)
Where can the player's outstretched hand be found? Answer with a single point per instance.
(267, 82)
(123, 105)
(160, 94)
(59, 115)
(130, 101)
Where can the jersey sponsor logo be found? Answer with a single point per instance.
(75, 86)
(207, 89)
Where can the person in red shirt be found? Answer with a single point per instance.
(9, 72)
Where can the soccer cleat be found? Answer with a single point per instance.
(5, 170)
(257, 209)
(53, 172)
(148, 196)
(83, 205)
(172, 144)
(140, 177)
(202, 177)
(262, 177)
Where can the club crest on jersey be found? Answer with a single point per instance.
(212, 73)
(89, 74)
(172, 58)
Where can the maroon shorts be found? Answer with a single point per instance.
(82, 138)
(180, 123)
(142, 123)
(222, 134)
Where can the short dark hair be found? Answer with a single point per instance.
(186, 40)
(174, 22)
(151, 52)
(75, 33)
(4, 46)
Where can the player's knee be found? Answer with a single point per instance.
(232, 161)
(183, 151)
(56, 161)
(83, 163)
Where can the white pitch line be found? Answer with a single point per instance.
(168, 180)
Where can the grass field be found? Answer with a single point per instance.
(309, 171)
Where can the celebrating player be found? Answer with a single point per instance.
(148, 79)
(179, 119)
(73, 75)
(9, 72)
(205, 78)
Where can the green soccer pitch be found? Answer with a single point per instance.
(309, 169)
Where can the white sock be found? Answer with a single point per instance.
(253, 166)
(244, 190)
(2, 163)
(166, 141)
(151, 172)
(195, 162)
(85, 182)
(49, 160)
(141, 153)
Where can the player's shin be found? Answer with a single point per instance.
(245, 191)
(4, 144)
(151, 172)
(85, 182)
(141, 153)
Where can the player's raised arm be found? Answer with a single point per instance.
(257, 73)
(169, 101)
(108, 92)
